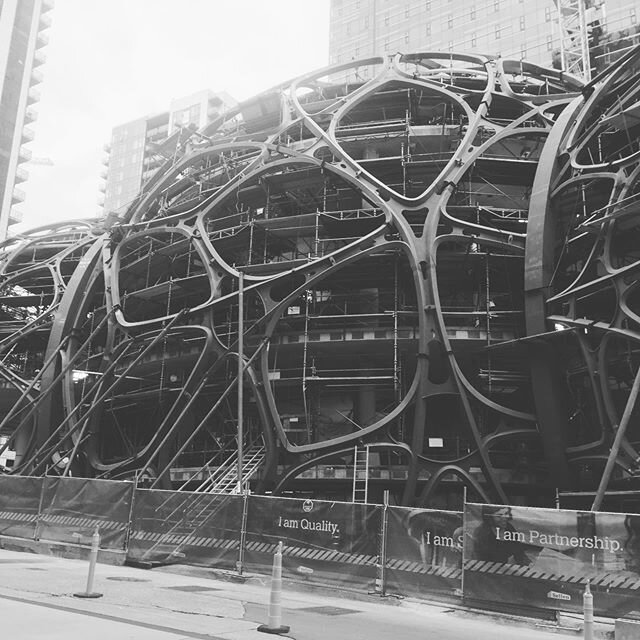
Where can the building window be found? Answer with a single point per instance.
(547, 14)
(450, 22)
(366, 22)
(497, 32)
(386, 20)
(522, 24)
(474, 40)
(473, 13)
(427, 5)
(496, 6)
(632, 16)
(407, 11)
(549, 43)
(428, 29)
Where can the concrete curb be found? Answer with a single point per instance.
(58, 549)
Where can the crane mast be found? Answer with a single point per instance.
(580, 22)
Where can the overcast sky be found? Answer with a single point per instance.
(111, 62)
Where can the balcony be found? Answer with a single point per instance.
(22, 175)
(18, 196)
(36, 77)
(39, 58)
(45, 21)
(30, 115)
(15, 216)
(33, 96)
(27, 135)
(104, 174)
(42, 40)
(47, 5)
(24, 155)
(107, 147)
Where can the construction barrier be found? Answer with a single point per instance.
(72, 508)
(185, 527)
(423, 552)
(323, 542)
(544, 558)
(491, 555)
(19, 505)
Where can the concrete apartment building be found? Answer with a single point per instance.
(133, 155)
(509, 28)
(22, 39)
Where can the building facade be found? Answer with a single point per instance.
(136, 152)
(508, 28)
(22, 38)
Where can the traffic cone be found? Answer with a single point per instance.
(93, 558)
(275, 625)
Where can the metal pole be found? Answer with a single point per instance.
(240, 374)
(617, 441)
(382, 586)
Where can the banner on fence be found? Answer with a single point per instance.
(324, 542)
(424, 552)
(19, 504)
(185, 527)
(544, 558)
(72, 508)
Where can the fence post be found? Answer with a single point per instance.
(243, 532)
(36, 532)
(381, 580)
(127, 535)
(464, 538)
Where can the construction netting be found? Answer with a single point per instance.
(544, 558)
(490, 555)
(188, 528)
(19, 505)
(323, 542)
(72, 508)
(423, 552)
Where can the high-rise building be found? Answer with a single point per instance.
(22, 38)
(135, 151)
(509, 28)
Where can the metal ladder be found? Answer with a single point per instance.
(360, 474)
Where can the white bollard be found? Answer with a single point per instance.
(587, 605)
(275, 625)
(93, 558)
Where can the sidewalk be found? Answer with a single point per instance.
(36, 601)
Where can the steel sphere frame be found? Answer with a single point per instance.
(438, 269)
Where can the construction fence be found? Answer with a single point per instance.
(489, 555)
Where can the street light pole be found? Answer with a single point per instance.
(240, 376)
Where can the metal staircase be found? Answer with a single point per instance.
(360, 474)
(224, 479)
